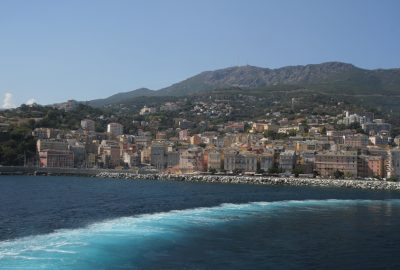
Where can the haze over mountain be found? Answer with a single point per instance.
(330, 77)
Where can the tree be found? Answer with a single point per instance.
(297, 170)
(260, 171)
(275, 169)
(348, 175)
(338, 174)
(202, 145)
(392, 179)
(275, 135)
(15, 145)
(212, 170)
(247, 127)
(357, 127)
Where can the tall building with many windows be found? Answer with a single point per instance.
(115, 129)
(326, 164)
(56, 159)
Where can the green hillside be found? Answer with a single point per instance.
(331, 78)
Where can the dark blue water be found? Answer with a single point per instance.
(83, 223)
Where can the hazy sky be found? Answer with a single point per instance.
(51, 51)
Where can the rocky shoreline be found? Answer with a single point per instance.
(258, 180)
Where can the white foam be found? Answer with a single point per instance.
(67, 243)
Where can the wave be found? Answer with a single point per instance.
(101, 243)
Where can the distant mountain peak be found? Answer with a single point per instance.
(327, 73)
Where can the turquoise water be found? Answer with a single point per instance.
(318, 233)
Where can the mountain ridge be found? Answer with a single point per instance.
(332, 77)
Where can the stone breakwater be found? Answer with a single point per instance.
(259, 180)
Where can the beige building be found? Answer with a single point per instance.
(263, 127)
(326, 164)
(288, 129)
(145, 155)
(242, 161)
(110, 156)
(195, 139)
(147, 110)
(356, 140)
(109, 153)
(191, 160)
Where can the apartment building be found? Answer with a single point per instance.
(242, 161)
(287, 160)
(115, 129)
(191, 160)
(214, 160)
(327, 163)
(56, 158)
(370, 166)
(266, 161)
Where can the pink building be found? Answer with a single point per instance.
(56, 159)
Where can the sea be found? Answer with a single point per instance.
(49, 222)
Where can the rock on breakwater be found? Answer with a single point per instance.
(260, 180)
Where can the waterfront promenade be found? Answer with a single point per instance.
(227, 179)
(21, 170)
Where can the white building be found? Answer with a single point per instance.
(147, 110)
(115, 129)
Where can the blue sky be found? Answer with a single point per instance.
(51, 51)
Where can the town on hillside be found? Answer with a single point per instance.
(301, 146)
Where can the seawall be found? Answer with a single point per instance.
(259, 180)
(228, 179)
